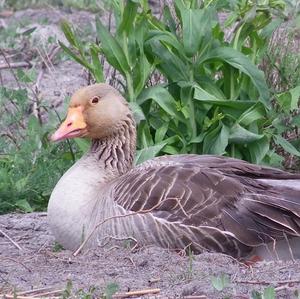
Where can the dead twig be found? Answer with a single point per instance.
(50, 293)
(36, 291)
(136, 293)
(15, 65)
(11, 240)
(154, 280)
(268, 282)
(195, 297)
(46, 62)
(13, 296)
(17, 262)
(10, 68)
(11, 137)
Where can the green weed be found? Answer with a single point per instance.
(91, 292)
(214, 99)
(268, 293)
(29, 164)
(92, 5)
(57, 247)
(110, 290)
(220, 282)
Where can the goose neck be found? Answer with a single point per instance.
(115, 153)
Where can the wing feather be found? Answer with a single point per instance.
(218, 202)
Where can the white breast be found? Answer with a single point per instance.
(72, 203)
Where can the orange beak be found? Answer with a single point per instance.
(73, 126)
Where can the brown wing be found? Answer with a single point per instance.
(208, 191)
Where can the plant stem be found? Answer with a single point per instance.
(192, 119)
(130, 88)
(232, 151)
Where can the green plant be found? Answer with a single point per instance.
(214, 99)
(191, 258)
(92, 5)
(110, 290)
(57, 247)
(69, 292)
(268, 293)
(29, 164)
(220, 282)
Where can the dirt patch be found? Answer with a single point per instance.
(61, 76)
(38, 265)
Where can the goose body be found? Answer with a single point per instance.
(207, 203)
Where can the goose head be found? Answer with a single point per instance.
(95, 111)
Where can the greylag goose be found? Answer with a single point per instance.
(204, 202)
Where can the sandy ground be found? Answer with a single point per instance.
(38, 264)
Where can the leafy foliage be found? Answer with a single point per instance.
(213, 99)
(268, 293)
(220, 282)
(29, 164)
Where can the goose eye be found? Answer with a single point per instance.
(95, 100)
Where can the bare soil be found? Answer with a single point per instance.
(39, 263)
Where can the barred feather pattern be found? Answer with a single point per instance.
(206, 203)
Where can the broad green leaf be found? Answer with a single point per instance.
(69, 34)
(169, 20)
(256, 294)
(287, 146)
(148, 152)
(129, 15)
(141, 74)
(202, 95)
(269, 293)
(144, 135)
(152, 151)
(198, 139)
(254, 113)
(21, 184)
(166, 38)
(169, 63)
(241, 135)
(216, 140)
(273, 159)
(289, 100)
(259, 149)
(232, 108)
(271, 27)
(141, 31)
(97, 66)
(161, 132)
(77, 58)
(210, 87)
(295, 97)
(171, 150)
(138, 113)
(220, 282)
(163, 98)
(196, 24)
(24, 205)
(296, 120)
(110, 290)
(245, 65)
(24, 77)
(112, 49)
